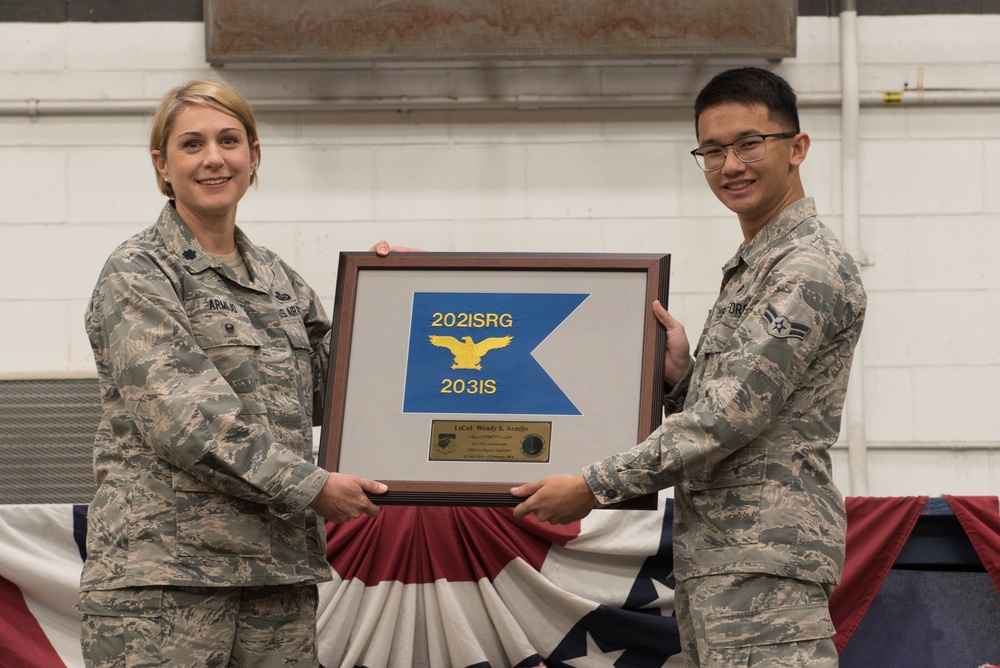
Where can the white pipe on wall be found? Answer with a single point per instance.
(854, 411)
(891, 98)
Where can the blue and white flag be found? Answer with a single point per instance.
(472, 353)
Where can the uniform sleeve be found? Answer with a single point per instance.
(673, 399)
(181, 404)
(747, 371)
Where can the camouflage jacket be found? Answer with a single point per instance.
(210, 388)
(746, 438)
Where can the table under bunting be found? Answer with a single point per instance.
(475, 587)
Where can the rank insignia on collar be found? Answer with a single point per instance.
(781, 327)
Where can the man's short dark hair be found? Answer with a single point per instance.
(750, 86)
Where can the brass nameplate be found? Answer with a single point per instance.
(484, 441)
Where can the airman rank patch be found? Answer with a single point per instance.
(781, 327)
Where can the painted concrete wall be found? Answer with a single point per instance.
(587, 179)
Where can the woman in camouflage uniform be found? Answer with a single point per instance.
(205, 540)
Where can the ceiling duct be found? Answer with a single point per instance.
(318, 31)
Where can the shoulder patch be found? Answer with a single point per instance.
(781, 327)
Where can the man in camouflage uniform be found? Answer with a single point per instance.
(759, 526)
(204, 540)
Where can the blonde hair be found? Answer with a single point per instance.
(209, 93)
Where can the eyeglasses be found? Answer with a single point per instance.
(748, 149)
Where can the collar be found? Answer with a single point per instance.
(777, 229)
(181, 242)
(260, 269)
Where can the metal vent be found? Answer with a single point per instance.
(260, 31)
(46, 440)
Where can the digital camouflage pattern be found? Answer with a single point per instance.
(747, 450)
(203, 627)
(210, 387)
(753, 620)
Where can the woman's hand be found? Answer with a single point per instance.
(382, 248)
(343, 497)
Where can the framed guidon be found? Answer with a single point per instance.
(455, 376)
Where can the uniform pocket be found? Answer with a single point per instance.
(717, 335)
(771, 636)
(727, 500)
(214, 524)
(232, 343)
(768, 626)
(303, 372)
(124, 602)
(220, 327)
(122, 623)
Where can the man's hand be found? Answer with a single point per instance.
(558, 499)
(678, 357)
(343, 497)
(382, 248)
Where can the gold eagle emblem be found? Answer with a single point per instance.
(468, 353)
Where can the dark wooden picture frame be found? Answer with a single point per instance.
(364, 440)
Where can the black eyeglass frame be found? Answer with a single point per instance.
(700, 151)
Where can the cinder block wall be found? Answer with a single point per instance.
(586, 179)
